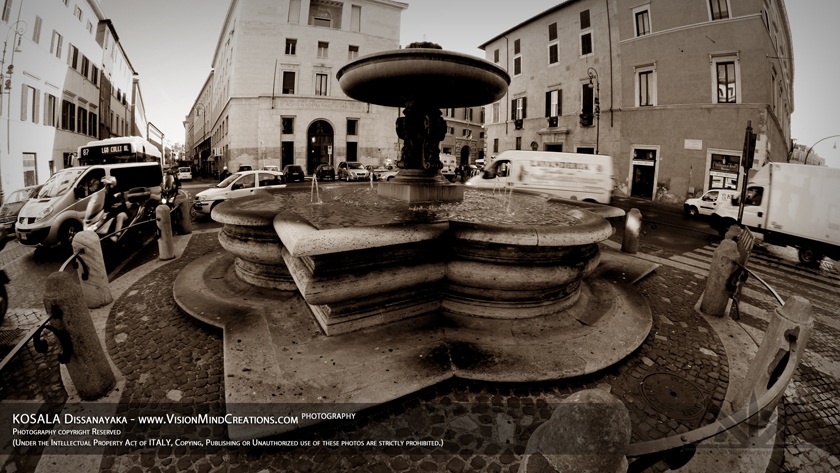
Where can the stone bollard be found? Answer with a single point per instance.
(716, 296)
(185, 222)
(88, 367)
(96, 291)
(588, 431)
(784, 342)
(166, 247)
(632, 229)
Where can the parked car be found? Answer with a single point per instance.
(293, 173)
(384, 174)
(185, 174)
(708, 202)
(244, 167)
(325, 172)
(271, 168)
(352, 171)
(12, 205)
(238, 184)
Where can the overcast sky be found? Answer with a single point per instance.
(171, 43)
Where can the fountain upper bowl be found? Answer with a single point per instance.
(427, 76)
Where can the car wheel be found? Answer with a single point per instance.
(810, 257)
(389, 178)
(68, 231)
(693, 212)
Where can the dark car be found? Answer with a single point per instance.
(11, 207)
(293, 173)
(325, 172)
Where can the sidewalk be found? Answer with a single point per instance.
(166, 359)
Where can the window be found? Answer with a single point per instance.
(68, 116)
(517, 58)
(518, 142)
(30, 103)
(725, 81)
(49, 110)
(495, 145)
(323, 49)
(553, 103)
(93, 124)
(642, 16)
(73, 57)
(552, 32)
(587, 101)
(352, 126)
(719, 9)
(553, 53)
(94, 75)
(85, 67)
(36, 31)
(55, 44)
(586, 43)
(496, 56)
(291, 47)
(321, 83)
(497, 112)
(90, 27)
(356, 18)
(82, 121)
(518, 108)
(288, 82)
(645, 86)
(584, 20)
(77, 12)
(288, 125)
(30, 169)
(352, 52)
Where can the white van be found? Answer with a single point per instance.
(55, 215)
(585, 177)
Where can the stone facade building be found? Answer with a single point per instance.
(66, 80)
(665, 88)
(272, 97)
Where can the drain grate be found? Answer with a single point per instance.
(8, 340)
(674, 396)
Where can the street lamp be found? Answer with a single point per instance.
(593, 76)
(19, 27)
(815, 144)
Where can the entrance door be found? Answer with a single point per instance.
(644, 172)
(319, 139)
(465, 155)
(642, 181)
(556, 147)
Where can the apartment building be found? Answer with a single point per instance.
(66, 80)
(665, 88)
(272, 97)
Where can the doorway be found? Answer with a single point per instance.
(644, 173)
(319, 139)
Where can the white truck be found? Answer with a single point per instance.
(791, 205)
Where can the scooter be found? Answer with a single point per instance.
(98, 219)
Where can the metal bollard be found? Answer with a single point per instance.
(95, 288)
(185, 222)
(588, 431)
(716, 296)
(166, 247)
(784, 343)
(632, 229)
(88, 365)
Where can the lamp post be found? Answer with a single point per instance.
(815, 144)
(593, 76)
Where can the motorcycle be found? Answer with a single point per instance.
(102, 221)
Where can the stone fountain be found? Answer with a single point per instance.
(428, 284)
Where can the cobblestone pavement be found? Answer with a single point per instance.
(810, 438)
(171, 362)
